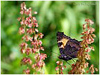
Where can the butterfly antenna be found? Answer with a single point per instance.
(54, 53)
(68, 63)
(72, 58)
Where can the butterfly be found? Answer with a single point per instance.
(68, 47)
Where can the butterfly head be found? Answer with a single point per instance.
(64, 57)
(61, 57)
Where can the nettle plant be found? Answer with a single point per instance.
(32, 44)
(83, 53)
(31, 41)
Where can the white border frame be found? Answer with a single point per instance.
(49, 0)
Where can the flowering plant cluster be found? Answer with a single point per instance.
(83, 54)
(60, 67)
(31, 41)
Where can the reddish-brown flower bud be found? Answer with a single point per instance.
(27, 71)
(21, 30)
(31, 36)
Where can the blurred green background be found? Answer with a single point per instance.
(53, 16)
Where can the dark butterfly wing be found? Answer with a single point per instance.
(68, 47)
(62, 41)
(68, 53)
(72, 47)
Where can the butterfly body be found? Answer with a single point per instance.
(68, 47)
